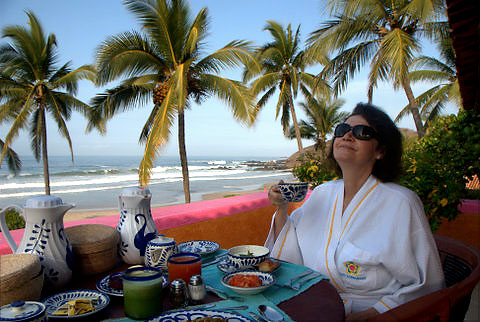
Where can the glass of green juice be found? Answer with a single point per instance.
(142, 292)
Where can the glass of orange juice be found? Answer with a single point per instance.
(184, 266)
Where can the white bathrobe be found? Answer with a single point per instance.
(380, 253)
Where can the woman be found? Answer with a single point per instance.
(368, 235)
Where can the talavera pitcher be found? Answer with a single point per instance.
(136, 225)
(45, 237)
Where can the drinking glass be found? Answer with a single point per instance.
(184, 266)
(142, 292)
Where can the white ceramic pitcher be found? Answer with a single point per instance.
(45, 237)
(136, 225)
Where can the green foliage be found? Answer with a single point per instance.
(315, 170)
(436, 166)
(14, 220)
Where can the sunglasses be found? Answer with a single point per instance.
(361, 132)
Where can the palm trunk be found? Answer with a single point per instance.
(46, 173)
(296, 127)
(414, 109)
(183, 155)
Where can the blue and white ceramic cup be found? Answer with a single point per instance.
(158, 251)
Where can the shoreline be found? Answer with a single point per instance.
(80, 214)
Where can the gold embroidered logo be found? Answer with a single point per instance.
(352, 268)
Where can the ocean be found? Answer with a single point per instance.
(95, 182)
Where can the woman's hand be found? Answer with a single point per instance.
(275, 197)
(276, 200)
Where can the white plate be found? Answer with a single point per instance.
(103, 286)
(267, 280)
(189, 315)
(54, 302)
(200, 247)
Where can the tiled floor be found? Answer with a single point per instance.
(473, 314)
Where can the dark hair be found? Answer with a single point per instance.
(389, 138)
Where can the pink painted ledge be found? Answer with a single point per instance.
(184, 214)
(172, 216)
(469, 206)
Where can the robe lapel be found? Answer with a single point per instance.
(339, 224)
(334, 229)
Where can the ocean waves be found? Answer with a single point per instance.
(94, 178)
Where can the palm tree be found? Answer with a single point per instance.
(282, 65)
(322, 117)
(166, 63)
(433, 101)
(31, 85)
(13, 161)
(384, 33)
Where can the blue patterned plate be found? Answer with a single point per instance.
(190, 315)
(54, 302)
(200, 247)
(103, 286)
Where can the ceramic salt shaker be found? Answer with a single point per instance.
(196, 288)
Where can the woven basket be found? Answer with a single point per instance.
(94, 248)
(21, 278)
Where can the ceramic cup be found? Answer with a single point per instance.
(294, 191)
(158, 251)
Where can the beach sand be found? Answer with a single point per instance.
(74, 215)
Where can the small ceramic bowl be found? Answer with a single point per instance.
(245, 256)
(294, 191)
(266, 278)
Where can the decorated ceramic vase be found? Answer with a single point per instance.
(158, 252)
(136, 225)
(45, 237)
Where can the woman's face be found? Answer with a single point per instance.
(351, 152)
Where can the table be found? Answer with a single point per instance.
(321, 302)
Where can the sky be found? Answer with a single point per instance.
(80, 26)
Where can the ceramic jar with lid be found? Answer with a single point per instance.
(158, 251)
(23, 311)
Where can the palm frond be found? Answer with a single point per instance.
(231, 55)
(13, 160)
(398, 49)
(429, 75)
(434, 64)
(344, 66)
(127, 54)
(60, 113)
(264, 82)
(158, 136)
(67, 80)
(236, 95)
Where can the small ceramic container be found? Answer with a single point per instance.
(246, 256)
(142, 292)
(23, 311)
(158, 251)
(293, 192)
